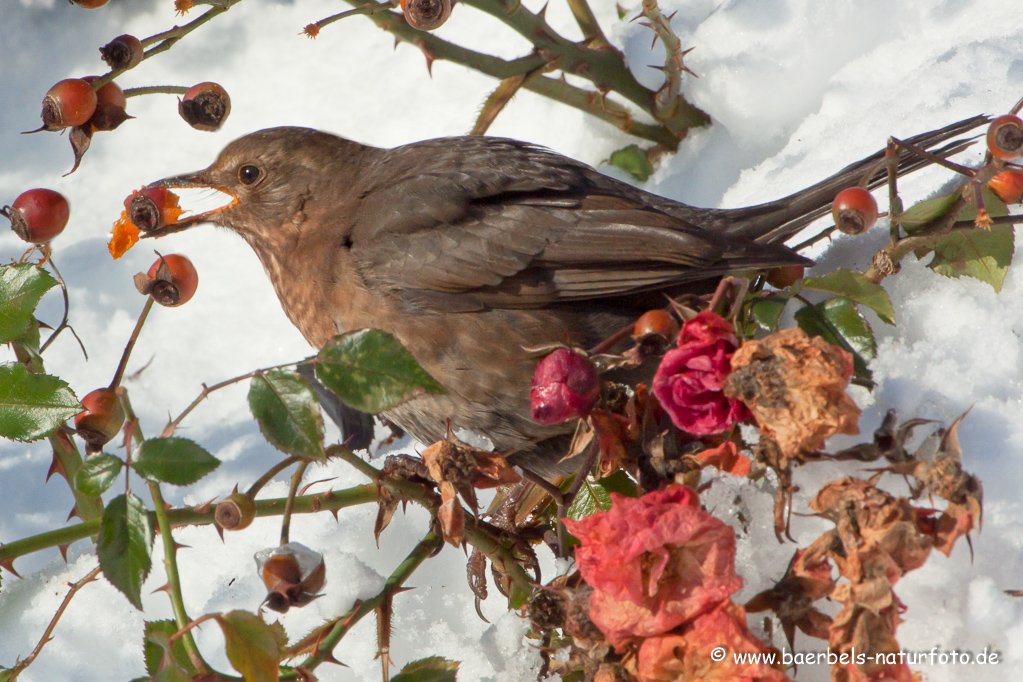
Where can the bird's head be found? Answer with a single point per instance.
(265, 181)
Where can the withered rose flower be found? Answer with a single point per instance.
(565, 386)
(795, 387)
(687, 656)
(654, 562)
(690, 378)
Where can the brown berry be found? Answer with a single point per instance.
(658, 322)
(785, 275)
(236, 512)
(174, 280)
(123, 52)
(426, 15)
(71, 102)
(205, 106)
(39, 215)
(1005, 137)
(102, 419)
(110, 107)
(854, 210)
(90, 4)
(1008, 185)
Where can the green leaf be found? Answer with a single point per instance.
(288, 413)
(766, 311)
(97, 474)
(124, 546)
(842, 313)
(979, 253)
(253, 647)
(21, 288)
(595, 495)
(432, 669)
(855, 287)
(619, 482)
(174, 460)
(157, 646)
(33, 405)
(924, 212)
(371, 371)
(812, 320)
(633, 160)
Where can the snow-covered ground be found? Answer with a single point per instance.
(797, 89)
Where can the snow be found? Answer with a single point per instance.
(797, 89)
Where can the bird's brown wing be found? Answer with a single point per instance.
(499, 224)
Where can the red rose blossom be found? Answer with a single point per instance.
(565, 386)
(654, 562)
(690, 378)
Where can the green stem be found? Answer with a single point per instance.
(123, 364)
(588, 24)
(156, 90)
(296, 480)
(304, 504)
(268, 476)
(170, 562)
(325, 646)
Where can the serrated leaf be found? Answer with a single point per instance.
(124, 546)
(842, 313)
(432, 669)
(288, 413)
(619, 482)
(33, 405)
(174, 460)
(978, 253)
(812, 320)
(855, 287)
(97, 474)
(766, 311)
(595, 495)
(924, 212)
(633, 160)
(157, 644)
(21, 288)
(253, 647)
(371, 371)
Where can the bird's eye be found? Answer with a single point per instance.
(248, 174)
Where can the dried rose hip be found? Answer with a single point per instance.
(110, 107)
(426, 15)
(71, 102)
(102, 419)
(1008, 185)
(151, 208)
(205, 106)
(172, 281)
(854, 210)
(1005, 137)
(236, 512)
(565, 386)
(123, 52)
(785, 275)
(293, 575)
(39, 215)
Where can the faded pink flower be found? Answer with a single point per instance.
(565, 386)
(690, 378)
(654, 562)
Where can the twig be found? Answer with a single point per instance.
(20, 666)
(116, 381)
(268, 476)
(156, 90)
(63, 322)
(296, 479)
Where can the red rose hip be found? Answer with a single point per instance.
(39, 215)
(1008, 185)
(175, 280)
(71, 102)
(1005, 137)
(102, 419)
(655, 322)
(854, 210)
(205, 106)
